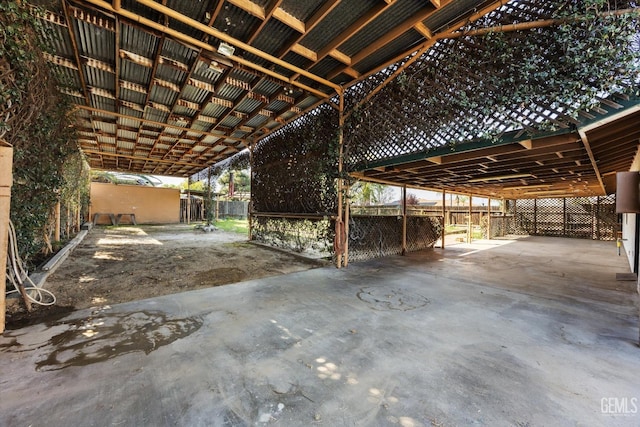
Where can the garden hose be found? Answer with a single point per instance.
(18, 276)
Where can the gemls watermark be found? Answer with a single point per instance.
(625, 406)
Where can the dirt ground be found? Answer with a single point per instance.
(119, 264)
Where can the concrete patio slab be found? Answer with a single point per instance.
(532, 332)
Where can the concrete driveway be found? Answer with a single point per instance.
(532, 332)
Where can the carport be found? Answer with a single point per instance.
(506, 100)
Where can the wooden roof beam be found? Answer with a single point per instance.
(309, 25)
(268, 12)
(210, 31)
(594, 164)
(405, 26)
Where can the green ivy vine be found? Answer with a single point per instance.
(35, 119)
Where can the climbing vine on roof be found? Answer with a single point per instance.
(490, 79)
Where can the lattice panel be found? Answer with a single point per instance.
(582, 217)
(294, 170)
(422, 232)
(313, 237)
(374, 236)
(237, 162)
(479, 87)
(378, 236)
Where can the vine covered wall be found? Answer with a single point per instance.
(35, 120)
(294, 170)
(293, 187)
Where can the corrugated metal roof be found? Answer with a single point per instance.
(257, 121)
(337, 21)
(213, 110)
(95, 42)
(267, 87)
(102, 103)
(274, 37)
(155, 115)
(410, 38)
(134, 73)
(163, 95)
(230, 92)
(57, 38)
(133, 96)
(170, 74)
(162, 78)
(396, 15)
(230, 121)
(175, 50)
(133, 39)
(235, 22)
(127, 134)
(99, 78)
(248, 105)
(445, 16)
(194, 94)
(301, 10)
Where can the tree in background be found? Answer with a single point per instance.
(412, 199)
(369, 193)
(241, 184)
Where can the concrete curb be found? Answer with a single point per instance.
(40, 277)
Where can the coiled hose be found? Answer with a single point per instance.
(18, 276)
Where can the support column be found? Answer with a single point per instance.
(444, 221)
(535, 217)
(250, 209)
(347, 214)
(340, 229)
(469, 222)
(404, 219)
(209, 212)
(489, 219)
(189, 200)
(6, 179)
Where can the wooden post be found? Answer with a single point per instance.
(444, 221)
(598, 218)
(404, 219)
(469, 222)
(535, 216)
(339, 220)
(489, 219)
(56, 232)
(564, 216)
(189, 200)
(78, 209)
(250, 207)
(6, 179)
(347, 214)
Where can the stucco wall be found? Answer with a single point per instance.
(151, 205)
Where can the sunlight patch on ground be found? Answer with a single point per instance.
(107, 255)
(482, 245)
(128, 240)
